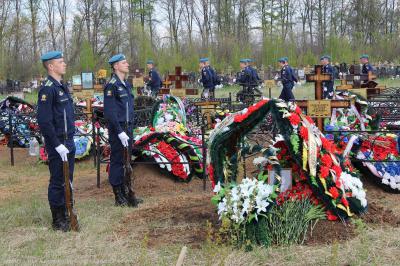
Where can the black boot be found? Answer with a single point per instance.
(120, 199)
(133, 201)
(59, 220)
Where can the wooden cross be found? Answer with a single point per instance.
(178, 77)
(357, 78)
(318, 78)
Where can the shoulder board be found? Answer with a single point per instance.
(112, 80)
(48, 83)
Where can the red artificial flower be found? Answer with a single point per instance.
(294, 119)
(298, 110)
(210, 171)
(330, 216)
(152, 129)
(324, 171)
(327, 144)
(338, 183)
(172, 156)
(338, 170)
(345, 202)
(304, 133)
(326, 160)
(334, 192)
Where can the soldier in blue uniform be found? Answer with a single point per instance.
(287, 78)
(207, 78)
(327, 68)
(255, 79)
(118, 110)
(55, 109)
(244, 79)
(367, 68)
(154, 81)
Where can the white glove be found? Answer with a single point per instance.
(124, 138)
(63, 151)
(234, 80)
(299, 83)
(199, 80)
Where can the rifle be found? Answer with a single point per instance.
(127, 162)
(67, 186)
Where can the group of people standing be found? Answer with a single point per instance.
(56, 118)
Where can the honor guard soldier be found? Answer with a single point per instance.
(255, 79)
(367, 68)
(118, 111)
(57, 124)
(287, 78)
(154, 81)
(207, 78)
(243, 79)
(327, 68)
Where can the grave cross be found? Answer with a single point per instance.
(318, 78)
(178, 77)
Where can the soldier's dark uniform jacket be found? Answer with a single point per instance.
(255, 79)
(244, 77)
(117, 96)
(328, 85)
(53, 99)
(155, 81)
(288, 79)
(207, 78)
(367, 68)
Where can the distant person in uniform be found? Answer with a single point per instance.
(255, 79)
(154, 82)
(54, 101)
(287, 78)
(367, 68)
(118, 111)
(207, 78)
(243, 79)
(215, 79)
(327, 68)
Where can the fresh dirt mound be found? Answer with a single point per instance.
(327, 232)
(377, 214)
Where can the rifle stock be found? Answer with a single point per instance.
(68, 199)
(67, 186)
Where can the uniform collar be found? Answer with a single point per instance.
(119, 81)
(55, 82)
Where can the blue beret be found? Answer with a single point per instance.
(51, 55)
(364, 56)
(150, 62)
(116, 58)
(325, 57)
(203, 60)
(243, 60)
(283, 59)
(249, 60)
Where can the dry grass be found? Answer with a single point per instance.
(122, 236)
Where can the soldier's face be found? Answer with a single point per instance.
(58, 66)
(122, 66)
(363, 60)
(242, 65)
(149, 66)
(281, 64)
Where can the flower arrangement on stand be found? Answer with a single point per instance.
(317, 157)
(375, 155)
(169, 141)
